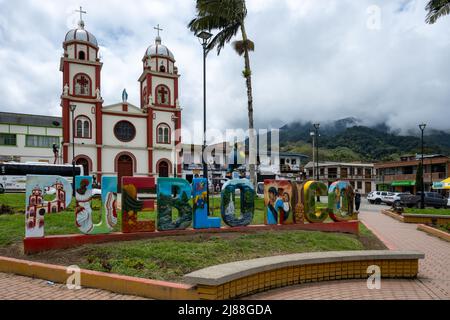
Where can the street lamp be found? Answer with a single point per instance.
(204, 37)
(313, 135)
(72, 108)
(316, 128)
(422, 196)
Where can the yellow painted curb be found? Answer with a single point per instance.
(434, 232)
(393, 215)
(99, 280)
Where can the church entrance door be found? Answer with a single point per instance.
(85, 164)
(163, 169)
(124, 169)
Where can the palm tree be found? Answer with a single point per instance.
(437, 9)
(228, 17)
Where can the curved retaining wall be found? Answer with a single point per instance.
(243, 278)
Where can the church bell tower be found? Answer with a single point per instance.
(81, 99)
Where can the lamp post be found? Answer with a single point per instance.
(316, 128)
(313, 135)
(72, 108)
(204, 37)
(422, 196)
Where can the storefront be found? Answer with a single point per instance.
(404, 186)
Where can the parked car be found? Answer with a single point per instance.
(393, 198)
(432, 199)
(375, 197)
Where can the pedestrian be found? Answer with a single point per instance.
(357, 200)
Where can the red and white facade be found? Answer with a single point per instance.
(120, 139)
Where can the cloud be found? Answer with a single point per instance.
(314, 60)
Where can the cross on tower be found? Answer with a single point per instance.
(81, 12)
(158, 29)
(163, 98)
(83, 85)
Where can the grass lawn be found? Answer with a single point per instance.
(445, 212)
(172, 257)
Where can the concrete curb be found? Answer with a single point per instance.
(434, 232)
(393, 215)
(417, 218)
(220, 274)
(99, 280)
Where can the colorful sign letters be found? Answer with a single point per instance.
(286, 202)
(278, 200)
(174, 193)
(201, 219)
(36, 207)
(83, 211)
(131, 205)
(247, 208)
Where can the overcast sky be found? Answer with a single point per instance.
(315, 59)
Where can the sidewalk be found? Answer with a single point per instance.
(14, 287)
(434, 271)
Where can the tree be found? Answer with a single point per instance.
(419, 178)
(437, 9)
(228, 17)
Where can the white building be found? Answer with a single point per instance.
(122, 138)
(360, 175)
(29, 138)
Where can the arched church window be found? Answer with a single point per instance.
(82, 85)
(79, 129)
(163, 134)
(163, 95)
(83, 127)
(81, 55)
(162, 68)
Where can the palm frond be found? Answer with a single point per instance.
(437, 9)
(225, 16)
(223, 37)
(241, 46)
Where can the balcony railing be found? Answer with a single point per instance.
(437, 176)
(334, 177)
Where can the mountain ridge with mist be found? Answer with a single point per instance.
(348, 139)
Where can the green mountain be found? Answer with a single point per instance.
(348, 140)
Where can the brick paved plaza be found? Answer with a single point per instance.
(434, 274)
(433, 282)
(14, 287)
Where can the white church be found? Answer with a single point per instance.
(120, 139)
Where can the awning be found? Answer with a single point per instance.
(404, 183)
(443, 185)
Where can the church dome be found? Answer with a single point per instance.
(159, 50)
(80, 34)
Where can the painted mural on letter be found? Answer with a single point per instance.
(278, 200)
(174, 193)
(201, 219)
(228, 207)
(36, 207)
(83, 211)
